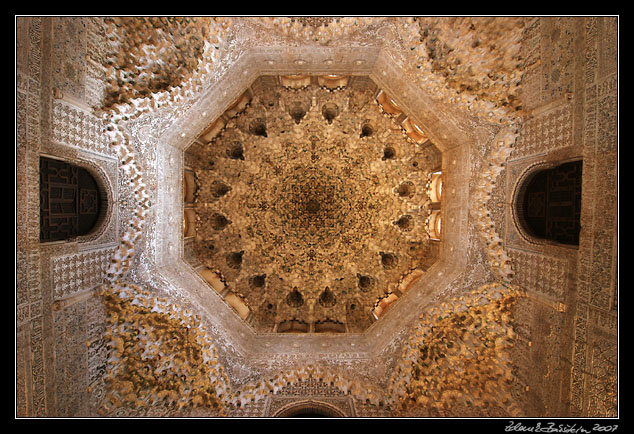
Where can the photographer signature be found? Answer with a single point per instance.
(552, 427)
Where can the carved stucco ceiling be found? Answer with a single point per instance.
(311, 203)
(176, 261)
(304, 194)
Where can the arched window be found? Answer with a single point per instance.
(293, 326)
(189, 213)
(71, 202)
(548, 205)
(310, 409)
(434, 225)
(434, 192)
(435, 187)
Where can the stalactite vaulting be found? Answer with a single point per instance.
(166, 79)
(457, 359)
(160, 354)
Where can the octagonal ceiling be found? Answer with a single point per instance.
(293, 156)
(308, 203)
(398, 113)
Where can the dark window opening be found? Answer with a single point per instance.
(551, 204)
(70, 201)
(308, 414)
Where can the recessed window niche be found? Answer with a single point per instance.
(548, 204)
(72, 201)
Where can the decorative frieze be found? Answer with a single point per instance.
(79, 271)
(543, 274)
(545, 131)
(603, 383)
(76, 127)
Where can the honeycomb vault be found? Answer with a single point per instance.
(312, 205)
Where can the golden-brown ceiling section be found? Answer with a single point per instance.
(312, 207)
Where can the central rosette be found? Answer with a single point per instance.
(317, 218)
(314, 206)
